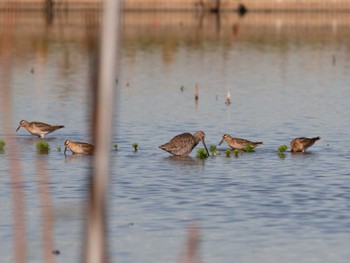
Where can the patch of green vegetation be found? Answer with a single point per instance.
(116, 147)
(249, 148)
(135, 145)
(43, 147)
(281, 150)
(2, 146)
(58, 148)
(213, 150)
(236, 152)
(228, 153)
(281, 155)
(202, 154)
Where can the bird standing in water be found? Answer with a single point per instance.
(184, 143)
(238, 143)
(39, 129)
(301, 144)
(78, 147)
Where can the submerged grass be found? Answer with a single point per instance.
(135, 145)
(2, 146)
(281, 150)
(249, 148)
(116, 147)
(228, 153)
(202, 154)
(236, 152)
(43, 147)
(213, 150)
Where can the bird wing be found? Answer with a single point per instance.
(244, 141)
(40, 124)
(307, 142)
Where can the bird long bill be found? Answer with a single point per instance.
(206, 148)
(221, 142)
(18, 128)
(65, 149)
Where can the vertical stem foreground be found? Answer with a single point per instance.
(46, 205)
(96, 241)
(7, 50)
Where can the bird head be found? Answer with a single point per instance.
(22, 123)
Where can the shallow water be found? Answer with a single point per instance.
(288, 77)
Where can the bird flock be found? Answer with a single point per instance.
(180, 145)
(41, 129)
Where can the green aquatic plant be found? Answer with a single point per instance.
(228, 153)
(202, 154)
(135, 145)
(43, 147)
(213, 150)
(2, 146)
(116, 147)
(58, 148)
(281, 150)
(236, 152)
(281, 155)
(249, 148)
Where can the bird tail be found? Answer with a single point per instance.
(311, 141)
(257, 143)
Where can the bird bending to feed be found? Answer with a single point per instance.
(38, 128)
(184, 143)
(78, 147)
(301, 144)
(237, 143)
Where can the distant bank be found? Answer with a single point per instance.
(186, 5)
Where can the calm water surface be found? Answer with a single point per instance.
(288, 77)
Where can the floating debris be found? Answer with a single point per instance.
(228, 98)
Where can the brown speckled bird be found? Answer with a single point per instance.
(184, 143)
(39, 129)
(78, 147)
(238, 143)
(301, 144)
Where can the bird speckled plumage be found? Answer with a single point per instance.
(78, 147)
(39, 129)
(302, 143)
(238, 143)
(184, 143)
